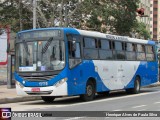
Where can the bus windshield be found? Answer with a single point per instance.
(40, 55)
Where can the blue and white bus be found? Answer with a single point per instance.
(55, 62)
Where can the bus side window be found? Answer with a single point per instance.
(105, 51)
(119, 50)
(150, 56)
(90, 48)
(141, 52)
(113, 45)
(130, 51)
(134, 47)
(143, 48)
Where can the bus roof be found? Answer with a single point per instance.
(96, 34)
(115, 37)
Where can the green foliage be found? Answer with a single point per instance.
(114, 16)
(9, 15)
(119, 16)
(94, 22)
(140, 28)
(124, 16)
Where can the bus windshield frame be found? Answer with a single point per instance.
(41, 54)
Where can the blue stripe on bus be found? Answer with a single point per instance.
(147, 76)
(151, 42)
(71, 31)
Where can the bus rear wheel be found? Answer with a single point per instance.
(136, 88)
(90, 92)
(48, 99)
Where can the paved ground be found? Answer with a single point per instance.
(3, 75)
(72, 108)
(9, 95)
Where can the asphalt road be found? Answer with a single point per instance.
(147, 100)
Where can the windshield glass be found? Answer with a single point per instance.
(41, 55)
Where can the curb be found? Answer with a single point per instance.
(19, 99)
(153, 85)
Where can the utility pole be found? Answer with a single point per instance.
(65, 16)
(34, 13)
(20, 15)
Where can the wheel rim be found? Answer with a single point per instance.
(89, 90)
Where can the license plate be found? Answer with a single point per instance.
(35, 89)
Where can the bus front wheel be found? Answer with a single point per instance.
(90, 92)
(48, 99)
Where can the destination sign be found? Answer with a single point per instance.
(116, 37)
(39, 34)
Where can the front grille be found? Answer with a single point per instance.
(38, 78)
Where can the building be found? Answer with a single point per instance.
(151, 17)
(156, 19)
(146, 18)
(158, 31)
(146, 4)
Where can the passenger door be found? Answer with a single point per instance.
(74, 59)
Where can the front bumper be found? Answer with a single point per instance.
(44, 91)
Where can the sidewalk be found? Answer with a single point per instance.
(10, 95)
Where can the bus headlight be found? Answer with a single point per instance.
(61, 82)
(19, 84)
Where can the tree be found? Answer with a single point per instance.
(9, 15)
(124, 16)
(111, 16)
(50, 11)
(140, 29)
(119, 16)
(18, 13)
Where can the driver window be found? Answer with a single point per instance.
(74, 50)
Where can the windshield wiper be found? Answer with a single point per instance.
(26, 47)
(44, 49)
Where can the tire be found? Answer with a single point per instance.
(90, 92)
(48, 99)
(136, 88)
